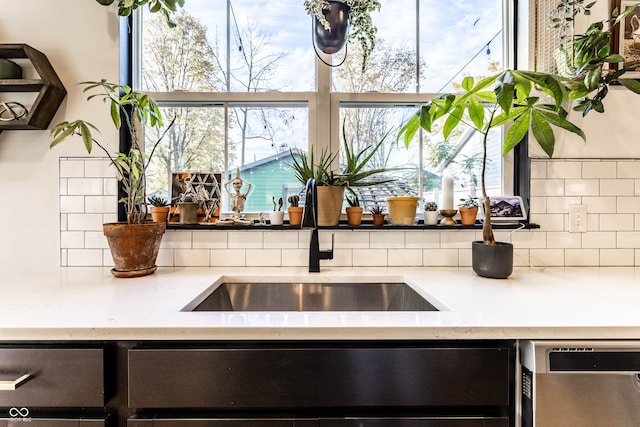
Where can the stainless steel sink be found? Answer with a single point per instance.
(311, 297)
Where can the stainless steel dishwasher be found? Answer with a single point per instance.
(580, 383)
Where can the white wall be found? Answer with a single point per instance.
(59, 190)
(80, 38)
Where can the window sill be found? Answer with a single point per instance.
(365, 226)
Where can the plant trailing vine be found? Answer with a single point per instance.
(562, 18)
(166, 7)
(362, 28)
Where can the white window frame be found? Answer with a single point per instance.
(324, 128)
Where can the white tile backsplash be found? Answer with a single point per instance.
(370, 257)
(610, 189)
(597, 169)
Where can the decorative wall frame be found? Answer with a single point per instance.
(201, 187)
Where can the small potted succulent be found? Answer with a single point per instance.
(355, 13)
(468, 211)
(431, 213)
(354, 210)
(294, 211)
(276, 216)
(377, 214)
(159, 208)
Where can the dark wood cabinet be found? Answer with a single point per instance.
(323, 384)
(317, 377)
(54, 422)
(328, 422)
(259, 384)
(229, 422)
(52, 386)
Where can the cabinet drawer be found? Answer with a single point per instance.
(54, 422)
(317, 377)
(416, 422)
(58, 377)
(327, 422)
(235, 422)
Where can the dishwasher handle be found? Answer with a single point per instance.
(594, 361)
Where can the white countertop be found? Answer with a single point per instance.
(555, 303)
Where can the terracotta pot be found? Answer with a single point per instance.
(378, 219)
(134, 247)
(468, 215)
(295, 215)
(330, 200)
(402, 210)
(159, 213)
(354, 215)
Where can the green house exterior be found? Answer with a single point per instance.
(270, 177)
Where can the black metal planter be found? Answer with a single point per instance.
(331, 41)
(493, 261)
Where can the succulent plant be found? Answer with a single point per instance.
(353, 201)
(376, 210)
(158, 201)
(431, 206)
(469, 203)
(293, 200)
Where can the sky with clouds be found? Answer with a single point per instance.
(452, 33)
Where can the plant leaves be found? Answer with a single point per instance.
(516, 133)
(542, 132)
(476, 113)
(631, 84)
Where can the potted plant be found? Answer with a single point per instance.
(354, 210)
(511, 101)
(134, 244)
(377, 214)
(294, 211)
(330, 189)
(159, 208)
(330, 186)
(468, 211)
(402, 209)
(431, 213)
(276, 216)
(586, 60)
(358, 16)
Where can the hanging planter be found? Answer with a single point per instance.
(331, 19)
(331, 40)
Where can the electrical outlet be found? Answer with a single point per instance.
(578, 219)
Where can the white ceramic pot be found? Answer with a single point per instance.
(431, 217)
(276, 217)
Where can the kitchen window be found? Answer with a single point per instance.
(242, 78)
